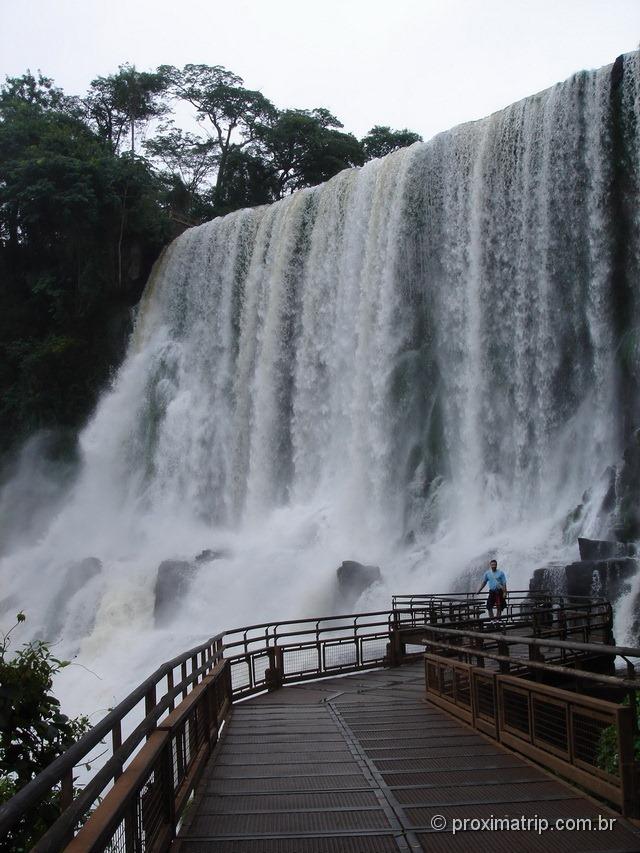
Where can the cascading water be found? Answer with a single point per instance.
(424, 346)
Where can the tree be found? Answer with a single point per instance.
(37, 91)
(79, 229)
(220, 99)
(33, 732)
(128, 99)
(189, 161)
(306, 147)
(381, 141)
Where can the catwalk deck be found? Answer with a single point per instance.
(363, 764)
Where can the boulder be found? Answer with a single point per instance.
(550, 578)
(602, 549)
(172, 584)
(627, 513)
(353, 579)
(600, 577)
(208, 555)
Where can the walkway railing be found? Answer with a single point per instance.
(135, 800)
(586, 739)
(141, 802)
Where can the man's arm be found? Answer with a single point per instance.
(484, 583)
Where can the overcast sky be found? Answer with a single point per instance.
(422, 64)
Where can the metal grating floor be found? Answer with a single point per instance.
(362, 764)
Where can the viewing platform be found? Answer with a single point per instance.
(419, 728)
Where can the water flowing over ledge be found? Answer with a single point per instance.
(436, 349)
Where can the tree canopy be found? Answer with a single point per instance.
(381, 141)
(92, 187)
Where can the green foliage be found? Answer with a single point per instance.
(231, 112)
(306, 147)
(128, 99)
(381, 141)
(607, 756)
(79, 228)
(33, 732)
(83, 217)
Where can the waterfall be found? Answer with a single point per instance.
(408, 365)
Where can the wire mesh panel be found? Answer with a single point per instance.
(178, 758)
(462, 688)
(373, 649)
(595, 742)
(485, 698)
(301, 660)
(240, 674)
(516, 710)
(340, 655)
(118, 841)
(446, 681)
(550, 725)
(152, 817)
(259, 664)
(146, 819)
(431, 676)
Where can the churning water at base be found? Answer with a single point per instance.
(410, 365)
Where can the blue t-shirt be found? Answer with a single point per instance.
(496, 580)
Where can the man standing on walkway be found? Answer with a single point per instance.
(497, 589)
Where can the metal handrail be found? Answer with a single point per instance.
(622, 651)
(266, 641)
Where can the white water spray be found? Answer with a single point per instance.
(424, 345)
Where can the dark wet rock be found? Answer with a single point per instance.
(353, 579)
(208, 555)
(627, 521)
(601, 549)
(606, 578)
(550, 578)
(76, 576)
(172, 584)
(634, 631)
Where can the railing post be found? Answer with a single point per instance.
(116, 743)
(228, 683)
(479, 644)
(168, 796)
(183, 678)
(66, 790)
(274, 676)
(628, 769)
(503, 649)
(536, 656)
(130, 828)
(172, 703)
(150, 703)
(562, 620)
(394, 647)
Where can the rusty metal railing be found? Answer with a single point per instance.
(565, 730)
(137, 805)
(135, 800)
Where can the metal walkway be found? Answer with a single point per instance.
(363, 764)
